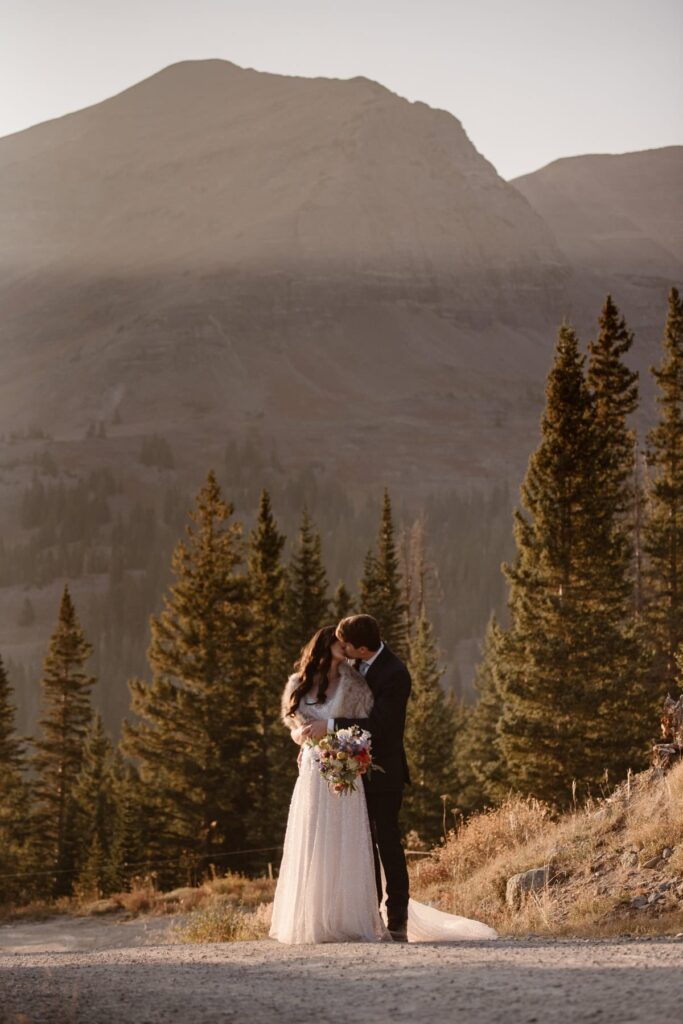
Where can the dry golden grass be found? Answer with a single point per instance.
(655, 815)
(591, 887)
(221, 921)
(596, 855)
(230, 889)
(248, 892)
(144, 898)
(36, 910)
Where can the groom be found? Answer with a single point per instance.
(389, 680)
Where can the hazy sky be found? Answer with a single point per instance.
(531, 80)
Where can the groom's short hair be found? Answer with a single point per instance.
(361, 631)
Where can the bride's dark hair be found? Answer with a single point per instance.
(314, 663)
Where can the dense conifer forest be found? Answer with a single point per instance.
(156, 749)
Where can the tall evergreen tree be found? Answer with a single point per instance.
(269, 670)
(614, 388)
(664, 526)
(617, 672)
(66, 715)
(95, 813)
(342, 604)
(381, 588)
(195, 738)
(429, 739)
(416, 572)
(134, 853)
(12, 748)
(308, 606)
(267, 592)
(481, 773)
(549, 734)
(13, 794)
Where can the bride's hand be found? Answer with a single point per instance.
(298, 734)
(315, 730)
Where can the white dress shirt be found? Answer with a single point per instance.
(364, 666)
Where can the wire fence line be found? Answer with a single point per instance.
(174, 860)
(142, 864)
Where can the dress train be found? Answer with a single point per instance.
(326, 889)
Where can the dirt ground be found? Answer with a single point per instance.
(85, 971)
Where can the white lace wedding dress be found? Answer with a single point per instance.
(326, 887)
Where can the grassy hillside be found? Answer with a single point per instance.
(614, 866)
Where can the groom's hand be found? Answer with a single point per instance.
(316, 730)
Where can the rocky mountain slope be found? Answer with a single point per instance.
(618, 220)
(621, 211)
(217, 247)
(295, 281)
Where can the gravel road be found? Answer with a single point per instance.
(514, 981)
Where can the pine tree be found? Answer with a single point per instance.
(12, 753)
(478, 760)
(617, 673)
(95, 813)
(269, 670)
(267, 591)
(416, 572)
(13, 795)
(664, 526)
(549, 733)
(342, 604)
(195, 739)
(134, 852)
(369, 587)
(308, 607)
(429, 739)
(58, 753)
(381, 588)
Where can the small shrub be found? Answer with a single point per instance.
(142, 897)
(221, 921)
(238, 889)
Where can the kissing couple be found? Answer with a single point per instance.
(341, 852)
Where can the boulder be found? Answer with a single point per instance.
(525, 882)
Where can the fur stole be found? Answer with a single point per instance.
(355, 700)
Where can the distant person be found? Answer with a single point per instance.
(330, 880)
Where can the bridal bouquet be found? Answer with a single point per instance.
(344, 755)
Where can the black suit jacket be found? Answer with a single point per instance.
(389, 680)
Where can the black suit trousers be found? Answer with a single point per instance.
(383, 809)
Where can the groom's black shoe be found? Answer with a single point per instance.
(398, 931)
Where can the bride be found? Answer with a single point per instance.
(326, 889)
